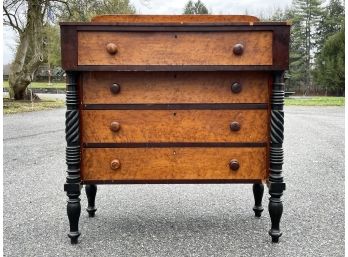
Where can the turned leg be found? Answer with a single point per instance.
(72, 187)
(91, 191)
(275, 180)
(275, 209)
(74, 210)
(258, 189)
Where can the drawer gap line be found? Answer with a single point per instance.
(172, 144)
(203, 106)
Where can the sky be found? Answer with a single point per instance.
(251, 7)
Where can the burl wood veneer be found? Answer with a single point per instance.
(174, 99)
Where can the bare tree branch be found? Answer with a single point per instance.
(10, 21)
(65, 3)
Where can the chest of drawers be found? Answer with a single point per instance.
(174, 99)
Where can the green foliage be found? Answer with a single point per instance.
(329, 73)
(315, 101)
(53, 45)
(195, 8)
(316, 50)
(78, 10)
(331, 21)
(305, 17)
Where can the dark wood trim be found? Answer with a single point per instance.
(73, 155)
(276, 155)
(175, 28)
(235, 25)
(68, 44)
(177, 68)
(203, 106)
(281, 38)
(173, 181)
(69, 31)
(172, 144)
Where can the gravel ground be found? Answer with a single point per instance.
(174, 220)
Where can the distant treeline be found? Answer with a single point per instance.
(316, 48)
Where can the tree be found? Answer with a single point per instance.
(306, 16)
(78, 10)
(30, 51)
(329, 72)
(195, 8)
(331, 21)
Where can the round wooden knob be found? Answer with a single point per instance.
(115, 126)
(234, 164)
(111, 48)
(238, 49)
(115, 88)
(236, 87)
(115, 164)
(235, 126)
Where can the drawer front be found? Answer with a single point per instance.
(172, 163)
(174, 48)
(175, 87)
(122, 126)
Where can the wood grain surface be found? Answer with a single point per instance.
(174, 48)
(175, 87)
(172, 163)
(174, 126)
(180, 19)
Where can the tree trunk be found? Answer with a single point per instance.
(29, 54)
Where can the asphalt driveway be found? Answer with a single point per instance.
(174, 220)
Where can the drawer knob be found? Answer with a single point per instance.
(238, 49)
(115, 126)
(115, 88)
(234, 164)
(111, 48)
(236, 87)
(115, 164)
(235, 126)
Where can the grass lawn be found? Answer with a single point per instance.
(11, 107)
(316, 101)
(59, 85)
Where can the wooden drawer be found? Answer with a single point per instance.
(175, 48)
(174, 126)
(173, 164)
(175, 87)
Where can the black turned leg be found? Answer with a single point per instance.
(275, 209)
(74, 210)
(91, 191)
(275, 180)
(258, 189)
(72, 187)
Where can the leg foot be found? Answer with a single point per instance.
(258, 189)
(73, 237)
(74, 210)
(91, 191)
(275, 209)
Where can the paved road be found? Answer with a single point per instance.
(174, 220)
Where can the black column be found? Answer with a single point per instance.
(91, 191)
(72, 185)
(275, 181)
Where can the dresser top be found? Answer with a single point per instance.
(176, 20)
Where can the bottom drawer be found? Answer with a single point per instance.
(110, 165)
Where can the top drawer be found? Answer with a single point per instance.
(175, 48)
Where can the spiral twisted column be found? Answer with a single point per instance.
(72, 136)
(275, 180)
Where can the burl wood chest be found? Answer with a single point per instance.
(174, 99)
